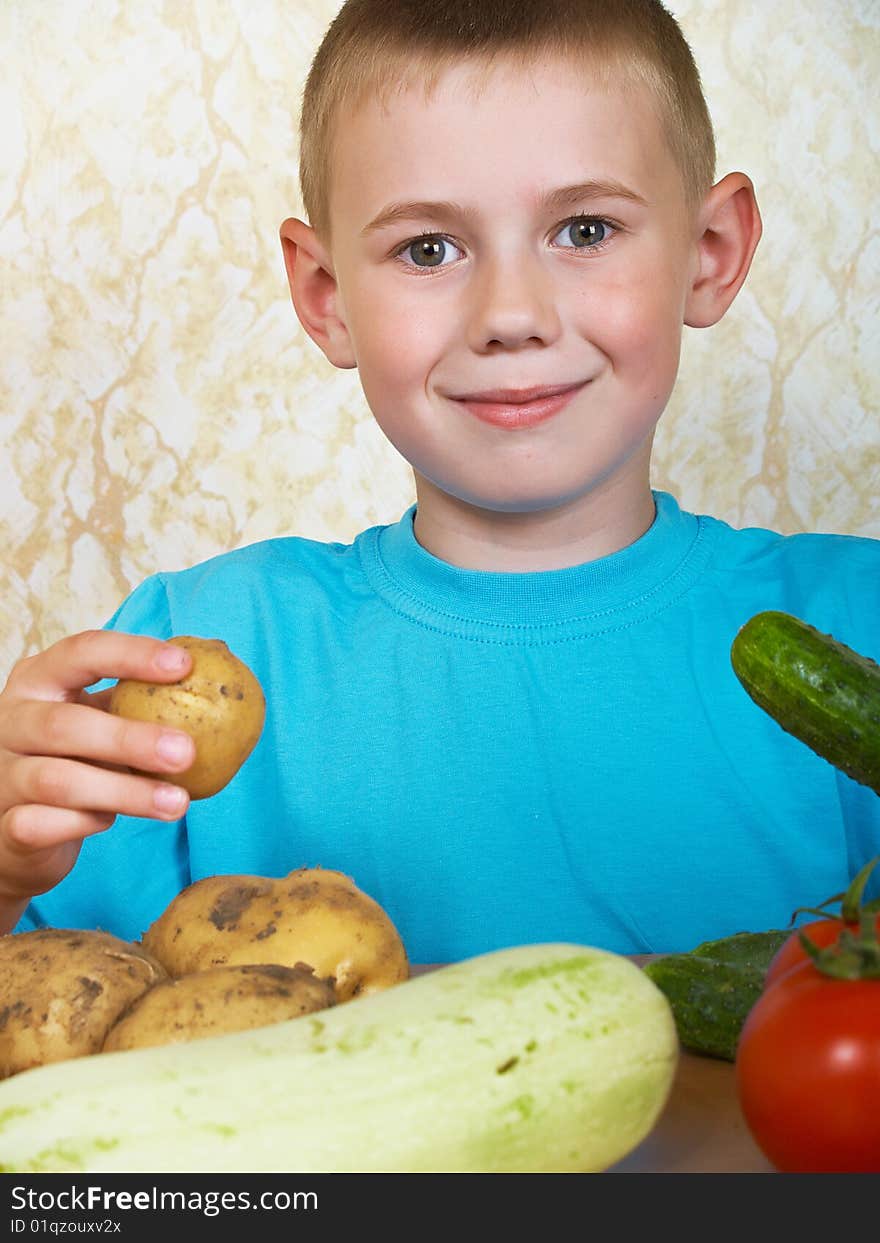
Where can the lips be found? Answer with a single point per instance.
(519, 407)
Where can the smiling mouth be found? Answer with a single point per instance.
(516, 408)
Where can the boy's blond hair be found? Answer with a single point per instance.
(373, 47)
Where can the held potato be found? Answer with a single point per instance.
(62, 990)
(313, 915)
(221, 999)
(220, 704)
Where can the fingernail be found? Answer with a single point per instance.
(174, 748)
(171, 658)
(169, 798)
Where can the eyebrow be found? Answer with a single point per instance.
(556, 200)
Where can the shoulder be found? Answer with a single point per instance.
(808, 551)
(287, 556)
(286, 574)
(830, 580)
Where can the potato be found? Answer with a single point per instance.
(220, 704)
(62, 990)
(221, 999)
(313, 915)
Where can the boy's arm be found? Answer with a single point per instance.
(64, 760)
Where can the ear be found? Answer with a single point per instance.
(729, 230)
(314, 291)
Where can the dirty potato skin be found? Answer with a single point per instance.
(312, 915)
(61, 990)
(220, 704)
(221, 999)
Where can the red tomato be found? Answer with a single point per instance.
(808, 1073)
(791, 953)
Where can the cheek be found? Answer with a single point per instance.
(637, 324)
(396, 346)
(395, 341)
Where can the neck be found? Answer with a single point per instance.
(602, 522)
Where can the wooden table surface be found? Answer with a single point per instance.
(701, 1129)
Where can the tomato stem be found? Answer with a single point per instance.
(852, 899)
(855, 955)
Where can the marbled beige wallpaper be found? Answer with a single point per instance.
(159, 402)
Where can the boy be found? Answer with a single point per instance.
(510, 716)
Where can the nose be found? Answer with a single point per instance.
(513, 307)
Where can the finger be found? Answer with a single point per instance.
(82, 659)
(73, 730)
(37, 827)
(96, 699)
(83, 787)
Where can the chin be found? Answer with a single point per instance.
(514, 505)
(521, 502)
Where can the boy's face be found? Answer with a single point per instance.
(523, 282)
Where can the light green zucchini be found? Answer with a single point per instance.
(540, 1058)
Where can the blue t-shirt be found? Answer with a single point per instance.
(502, 758)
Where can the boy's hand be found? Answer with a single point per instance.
(61, 753)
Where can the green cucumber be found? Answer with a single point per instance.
(540, 1058)
(712, 988)
(816, 688)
